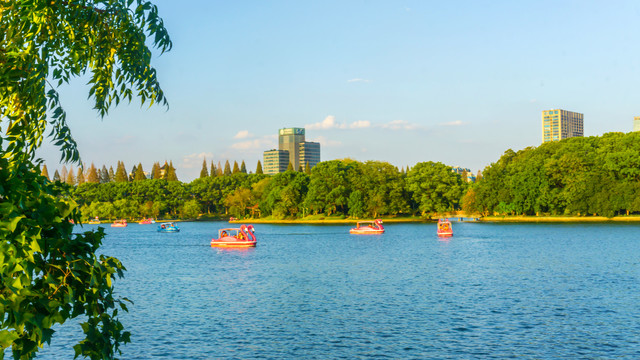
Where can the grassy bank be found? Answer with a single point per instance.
(319, 219)
(322, 219)
(560, 219)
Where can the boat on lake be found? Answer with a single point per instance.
(168, 227)
(146, 221)
(95, 220)
(371, 227)
(235, 237)
(444, 228)
(119, 223)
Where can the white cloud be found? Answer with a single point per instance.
(195, 160)
(361, 124)
(324, 142)
(243, 134)
(358, 80)
(263, 143)
(453, 123)
(400, 125)
(330, 123)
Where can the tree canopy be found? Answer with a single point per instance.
(577, 176)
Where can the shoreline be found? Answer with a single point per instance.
(559, 219)
(328, 221)
(477, 219)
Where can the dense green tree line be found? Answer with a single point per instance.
(339, 187)
(576, 176)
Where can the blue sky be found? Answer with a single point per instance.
(458, 82)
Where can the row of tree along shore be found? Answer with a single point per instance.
(92, 174)
(591, 176)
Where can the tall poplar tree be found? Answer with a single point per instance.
(204, 172)
(80, 178)
(155, 171)
(171, 172)
(112, 174)
(243, 168)
(121, 173)
(227, 168)
(56, 176)
(131, 176)
(45, 172)
(104, 175)
(71, 179)
(92, 176)
(219, 169)
(236, 168)
(63, 173)
(290, 166)
(139, 176)
(212, 173)
(259, 168)
(307, 168)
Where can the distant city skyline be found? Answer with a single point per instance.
(458, 83)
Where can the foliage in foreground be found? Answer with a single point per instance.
(49, 274)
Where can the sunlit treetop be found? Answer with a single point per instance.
(45, 43)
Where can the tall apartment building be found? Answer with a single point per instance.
(309, 154)
(636, 123)
(558, 124)
(292, 148)
(275, 161)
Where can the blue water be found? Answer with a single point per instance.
(539, 291)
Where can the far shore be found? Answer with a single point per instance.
(416, 219)
(463, 218)
(559, 219)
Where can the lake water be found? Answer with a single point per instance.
(532, 291)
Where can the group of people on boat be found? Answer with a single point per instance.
(235, 237)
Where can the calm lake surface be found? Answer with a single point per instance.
(532, 291)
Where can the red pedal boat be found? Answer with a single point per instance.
(234, 237)
(119, 223)
(444, 228)
(368, 227)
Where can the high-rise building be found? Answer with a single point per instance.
(558, 124)
(275, 161)
(636, 123)
(290, 139)
(309, 154)
(292, 148)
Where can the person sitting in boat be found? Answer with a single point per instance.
(241, 236)
(163, 226)
(223, 234)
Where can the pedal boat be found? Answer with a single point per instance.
(242, 237)
(368, 228)
(444, 228)
(119, 223)
(146, 221)
(168, 227)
